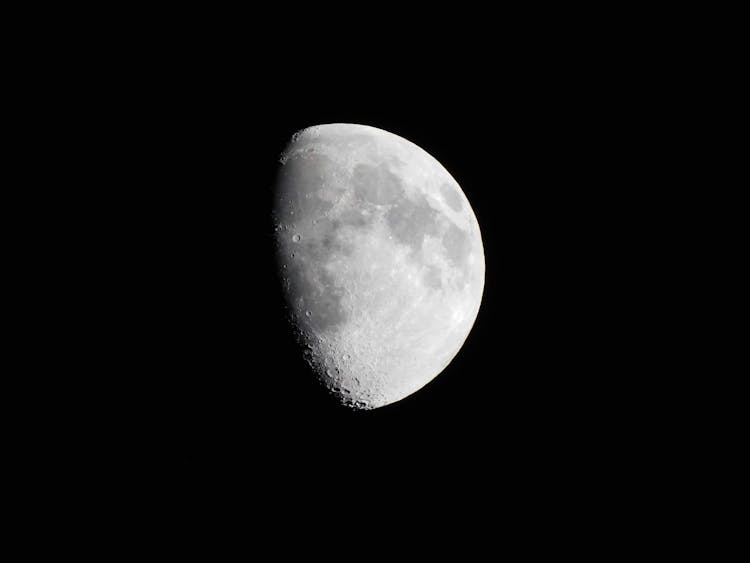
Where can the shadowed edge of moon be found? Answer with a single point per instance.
(312, 292)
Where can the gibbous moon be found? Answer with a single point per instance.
(380, 257)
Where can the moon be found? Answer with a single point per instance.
(380, 258)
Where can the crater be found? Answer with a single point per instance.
(410, 221)
(376, 184)
(451, 197)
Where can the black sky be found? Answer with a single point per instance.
(536, 402)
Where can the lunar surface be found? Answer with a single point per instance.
(380, 257)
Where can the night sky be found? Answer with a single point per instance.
(536, 404)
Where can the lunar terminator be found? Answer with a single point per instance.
(381, 260)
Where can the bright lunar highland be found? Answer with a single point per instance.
(380, 257)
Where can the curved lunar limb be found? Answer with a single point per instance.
(381, 260)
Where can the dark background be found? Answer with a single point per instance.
(547, 398)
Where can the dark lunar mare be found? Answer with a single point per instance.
(310, 232)
(312, 297)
